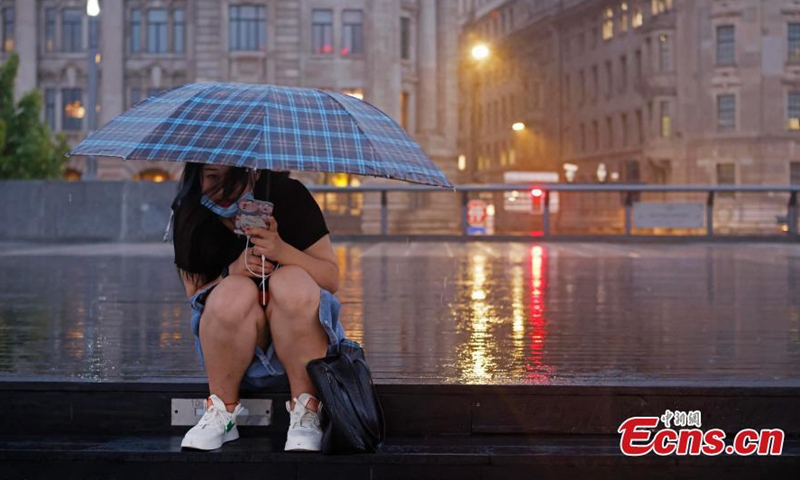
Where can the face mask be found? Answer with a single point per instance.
(227, 212)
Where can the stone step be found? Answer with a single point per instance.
(70, 408)
(252, 456)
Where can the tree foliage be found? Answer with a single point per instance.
(27, 147)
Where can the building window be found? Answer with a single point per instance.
(72, 175)
(8, 29)
(157, 31)
(794, 173)
(609, 79)
(352, 32)
(661, 6)
(623, 66)
(793, 111)
(726, 113)
(582, 86)
(664, 54)
(405, 38)
(94, 32)
(624, 130)
(610, 132)
(596, 132)
(726, 45)
(536, 97)
(354, 92)
(608, 24)
(49, 29)
(136, 31)
(583, 138)
(50, 108)
(631, 171)
(136, 96)
(248, 28)
(156, 175)
(71, 30)
(567, 91)
(640, 127)
(638, 66)
(638, 19)
(666, 120)
(322, 30)
(595, 83)
(73, 110)
(623, 17)
(178, 31)
(726, 174)
(794, 42)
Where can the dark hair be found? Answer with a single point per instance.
(202, 243)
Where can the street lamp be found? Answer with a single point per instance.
(92, 10)
(518, 126)
(480, 53)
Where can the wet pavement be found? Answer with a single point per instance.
(457, 313)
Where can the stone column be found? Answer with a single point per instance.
(426, 48)
(25, 44)
(112, 66)
(383, 52)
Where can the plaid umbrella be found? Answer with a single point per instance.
(265, 127)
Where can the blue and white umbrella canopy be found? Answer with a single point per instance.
(265, 127)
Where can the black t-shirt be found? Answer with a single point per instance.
(212, 245)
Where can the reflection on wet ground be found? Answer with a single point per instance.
(475, 313)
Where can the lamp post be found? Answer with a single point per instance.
(479, 53)
(92, 10)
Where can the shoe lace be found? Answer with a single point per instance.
(305, 418)
(212, 417)
(309, 419)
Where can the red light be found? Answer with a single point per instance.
(537, 192)
(345, 51)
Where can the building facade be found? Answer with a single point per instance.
(652, 91)
(397, 55)
(393, 54)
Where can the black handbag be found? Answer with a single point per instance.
(351, 416)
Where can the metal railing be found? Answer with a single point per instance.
(780, 200)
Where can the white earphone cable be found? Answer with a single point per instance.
(263, 276)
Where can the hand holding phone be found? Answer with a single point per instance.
(252, 213)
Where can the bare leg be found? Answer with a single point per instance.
(231, 324)
(293, 313)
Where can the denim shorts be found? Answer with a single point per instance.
(266, 369)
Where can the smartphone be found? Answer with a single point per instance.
(252, 213)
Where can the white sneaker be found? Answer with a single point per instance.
(215, 428)
(304, 434)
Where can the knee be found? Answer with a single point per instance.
(292, 290)
(233, 301)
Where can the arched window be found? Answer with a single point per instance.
(72, 175)
(152, 175)
(608, 24)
